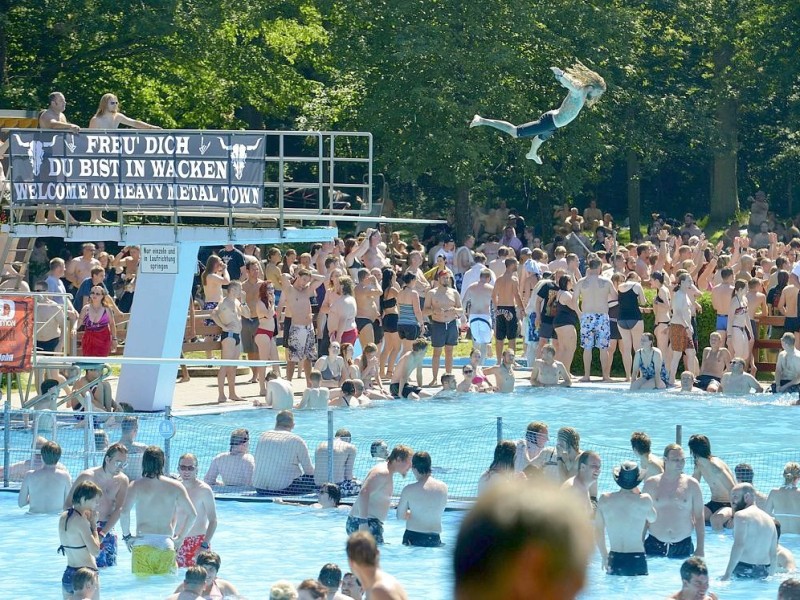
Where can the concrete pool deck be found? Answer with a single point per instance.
(199, 394)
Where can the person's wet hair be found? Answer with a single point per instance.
(51, 453)
(700, 446)
(400, 453)
(362, 549)
(570, 437)
(152, 462)
(744, 473)
(209, 558)
(693, 566)
(85, 490)
(421, 463)
(333, 491)
(195, 576)
(330, 575)
(504, 453)
(640, 442)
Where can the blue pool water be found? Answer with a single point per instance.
(261, 543)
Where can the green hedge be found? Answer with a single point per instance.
(706, 323)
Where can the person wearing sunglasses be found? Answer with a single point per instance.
(202, 496)
(112, 480)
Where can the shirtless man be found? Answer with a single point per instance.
(368, 313)
(716, 360)
(280, 395)
(228, 315)
(342, 314)
(718, 475)
(164, 515)
(721, 295)
(477, 299)
(787, 367)
(533, 450)
(443, 305)
(784, 502)
(547, 371)
(649, 463)
(422, 505)
(788, 306)
(736, 381)
(283, 465)
(755, 538)
(315, 397)
(301, 344)
(53, 118)
(593, 293)
(407, 365)
(109, 477)
(624, 515)
(250, 287)
(756, 307)
(109, 117)
(194, 583)
(47, 488)
(694, 581)
(363, 555)
(503, 372)
(198, 538)
(372, 505)
(679, 509)
(589, 465)
(80, 268)
(344, 456)
(507, 299)
(77, 532)
(129, 428)
(236, 466)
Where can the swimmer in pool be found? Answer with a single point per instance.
(584, 89)
(449, 387)
(649, 463)
(164, 515)
(344, 456)
(533, 450)
(589, 465)
(466, 384)
(372, 505)
(694, 581)
(548, 372)
(679, 509)
(624, 515)
(718, 475)
(784, 502)
(504, 373)
(422, 504)
(315, 396)
(47, 488)
(736, 381)
(194, 582)
(363, 557)
(755, 540)
(77, 532)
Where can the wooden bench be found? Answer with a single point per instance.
(196, 327)
(766, 343)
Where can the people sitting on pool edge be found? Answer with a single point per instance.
(736, 381)
(282, 462)
(235, 467)
(547, 371)
(344, 456)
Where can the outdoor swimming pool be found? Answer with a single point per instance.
(261, 543)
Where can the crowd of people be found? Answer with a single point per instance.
(176, 518)
(355, 317)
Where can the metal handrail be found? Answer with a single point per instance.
(325, 165)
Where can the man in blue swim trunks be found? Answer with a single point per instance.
(721, 295)
(593, 293)
(755, 539)
(110, 478)
(372, 505)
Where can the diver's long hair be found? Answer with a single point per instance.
(584, 76)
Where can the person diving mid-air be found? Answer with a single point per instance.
(585, 88)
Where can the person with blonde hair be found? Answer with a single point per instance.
(584, 86)
(109, 117)
(783, 503)
(282, 590)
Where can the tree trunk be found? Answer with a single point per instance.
(634, 195)
(4, 7)
(463, 214)
(724, 188)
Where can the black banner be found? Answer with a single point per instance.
(134, 168)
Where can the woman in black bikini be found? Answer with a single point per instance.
(662, 312)
(739, 331)
(77, 531)
(630, 322)
(390, 316)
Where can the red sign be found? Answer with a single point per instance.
(16, 334)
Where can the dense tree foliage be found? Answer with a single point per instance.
(702, 105)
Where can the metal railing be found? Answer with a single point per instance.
(321, 168)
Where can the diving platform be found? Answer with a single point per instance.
(174, 191)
